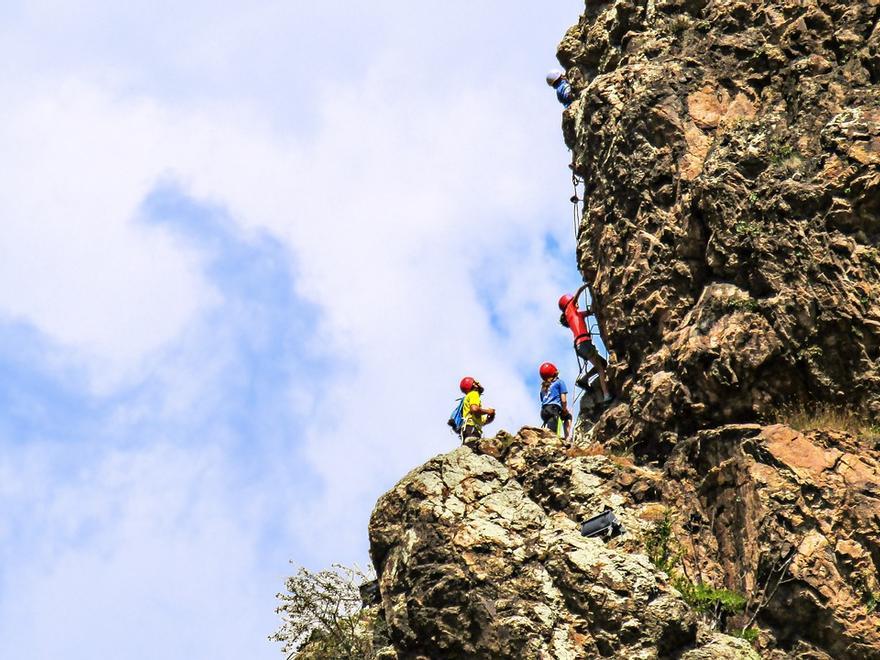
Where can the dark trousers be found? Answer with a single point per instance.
(586, 350)
(551, 415)
(471, 432)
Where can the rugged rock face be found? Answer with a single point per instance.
(477, 559)
(479, 556)
(792, 520)
(730, 151)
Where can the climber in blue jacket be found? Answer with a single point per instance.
(556, 80)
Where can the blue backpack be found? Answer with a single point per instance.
(456, 419)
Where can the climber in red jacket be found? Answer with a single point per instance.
(575, 319)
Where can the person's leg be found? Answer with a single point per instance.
(603, 381)
(588, 352)
(546, 416)
(551, 416)
(471, 431)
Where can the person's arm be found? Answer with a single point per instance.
(565, 93)
(477, 410)
(566, 413)
(489, 413)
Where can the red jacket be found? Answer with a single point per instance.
(577, 322)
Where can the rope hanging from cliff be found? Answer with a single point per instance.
(575, 202)
(581, 391)
(577, 213)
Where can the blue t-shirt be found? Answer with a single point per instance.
(564, 93)
(553, 394)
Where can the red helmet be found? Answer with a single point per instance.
(466, 384)
(564, 301)
(547, 370)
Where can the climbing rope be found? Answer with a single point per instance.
(575, 203)
(576, 200)
(577, 213)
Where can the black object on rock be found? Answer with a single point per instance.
(604, 524)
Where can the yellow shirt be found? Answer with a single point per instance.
(470, 419)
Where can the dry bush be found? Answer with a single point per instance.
(592, 449)
(827, 417)
(621, 458)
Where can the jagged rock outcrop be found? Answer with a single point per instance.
(477, 559)
(730, 151)
(730, 154)
(479, 555)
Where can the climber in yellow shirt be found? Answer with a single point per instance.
(475, 416)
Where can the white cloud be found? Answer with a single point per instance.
(145, 555)
(73, 262)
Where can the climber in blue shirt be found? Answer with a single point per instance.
(556, 80)
(554, 404)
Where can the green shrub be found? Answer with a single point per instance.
(662, 547)
(748, 634)
(709, 600)
(665, 553)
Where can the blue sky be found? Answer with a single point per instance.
(247, 252)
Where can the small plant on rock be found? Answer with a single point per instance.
(745, 305)
(861, 586)
(662, 547)
(781, 151)
(665, 552)
(748, 634)
(748, 228)
(679, 24)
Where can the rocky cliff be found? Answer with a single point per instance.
(730, 158)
